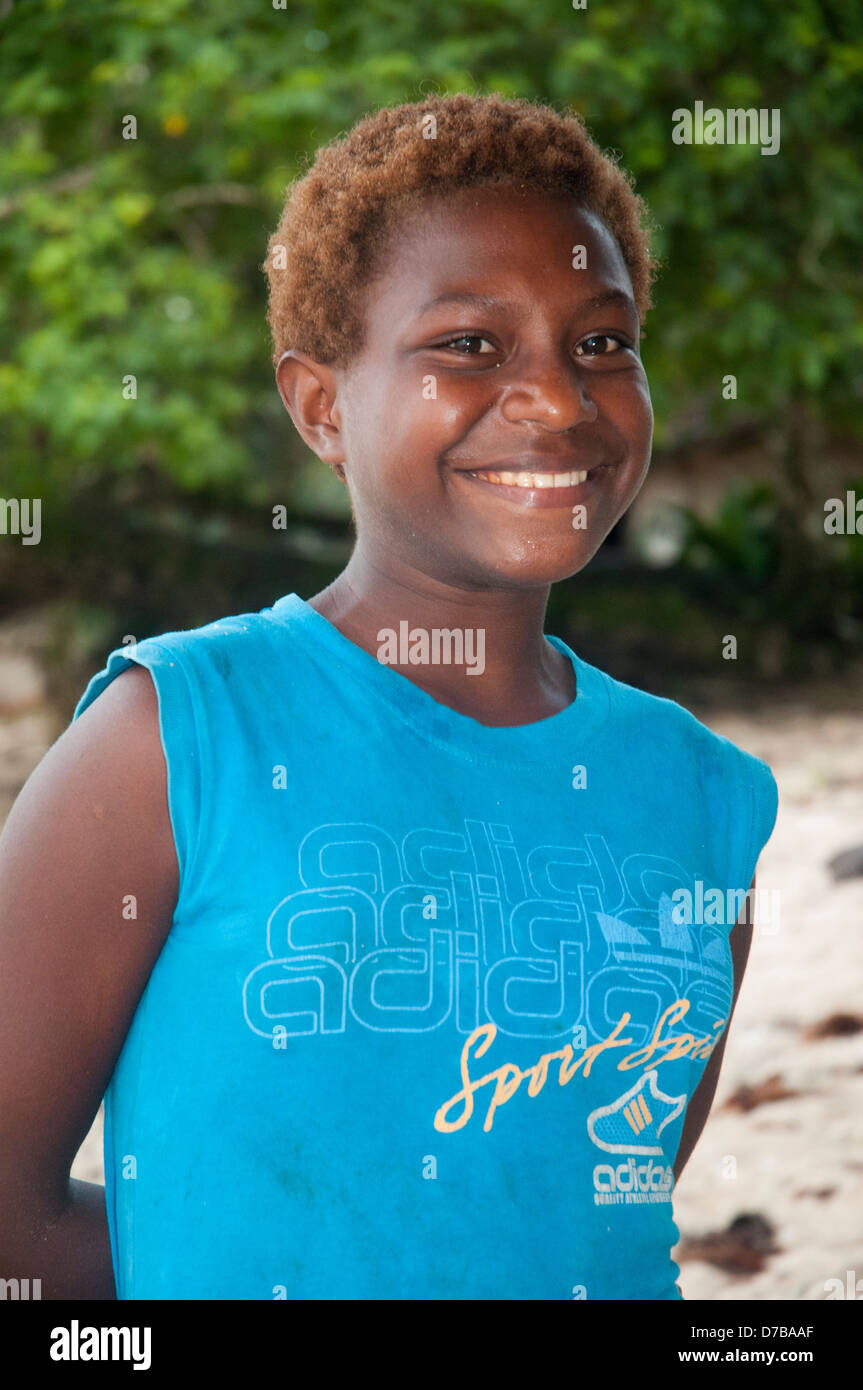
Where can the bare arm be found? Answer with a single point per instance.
(740, 940)
(90, 827)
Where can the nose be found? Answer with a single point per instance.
(551, 395)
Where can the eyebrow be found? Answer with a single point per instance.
(607, 299)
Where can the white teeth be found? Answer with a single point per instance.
(537, 480)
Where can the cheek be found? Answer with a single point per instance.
(642, 401)
(416, 406)
(629, 407)
(444, 410)
(423, 420)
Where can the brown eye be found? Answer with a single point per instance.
(468, 338)
(593, 350)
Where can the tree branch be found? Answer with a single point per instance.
(70, 182)
(197, 195)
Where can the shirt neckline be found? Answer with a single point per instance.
(540, 741)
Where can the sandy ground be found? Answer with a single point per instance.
(799, 1160)
(796, 1162)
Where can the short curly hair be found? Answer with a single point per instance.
(339, 215)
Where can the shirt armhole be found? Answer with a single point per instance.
(764, 804)
(179, 733)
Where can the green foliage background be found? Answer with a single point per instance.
(142, 256)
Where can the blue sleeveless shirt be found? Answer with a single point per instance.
(435, 996)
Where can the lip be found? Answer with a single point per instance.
(567, 497)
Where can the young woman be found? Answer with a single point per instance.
(379, 915)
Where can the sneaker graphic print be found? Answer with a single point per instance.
(632, 1125)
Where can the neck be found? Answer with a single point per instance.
(501, 669)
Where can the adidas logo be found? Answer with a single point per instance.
(632, 1182)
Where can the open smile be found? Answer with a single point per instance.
(535, 489)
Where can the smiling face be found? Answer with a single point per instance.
(490, 361)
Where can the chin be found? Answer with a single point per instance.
(530, 570)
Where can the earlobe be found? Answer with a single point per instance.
(308, 392)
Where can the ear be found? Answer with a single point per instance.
(308, 390)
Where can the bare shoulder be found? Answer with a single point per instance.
(104, 780)
(88, 887)
(128, 707)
